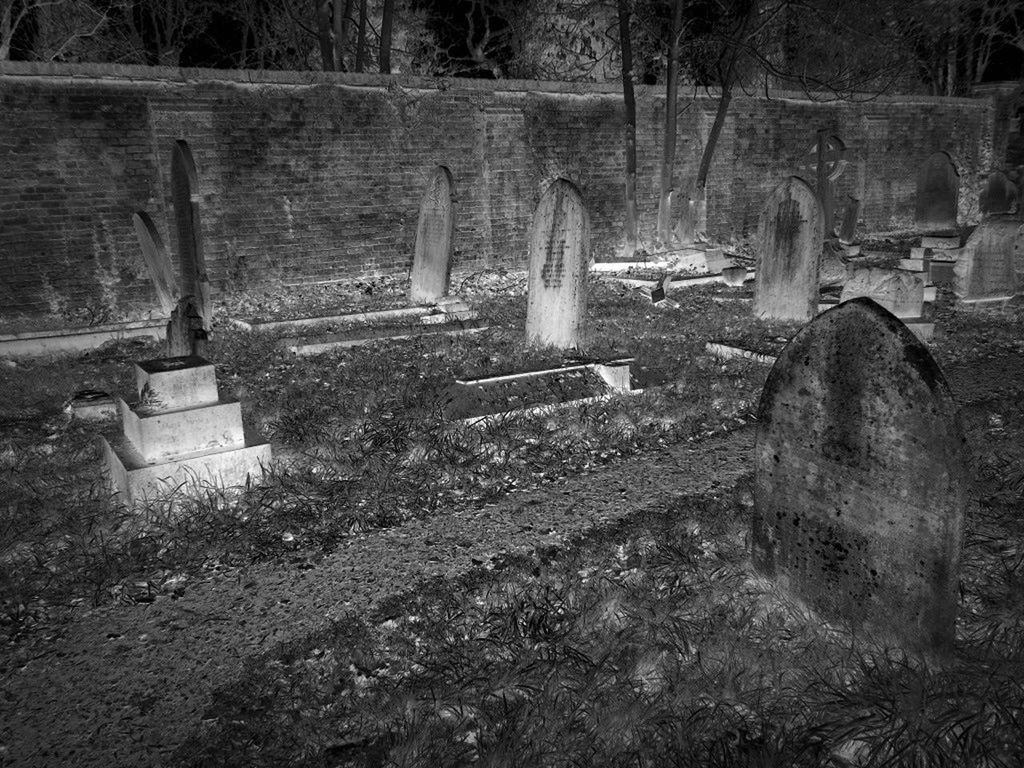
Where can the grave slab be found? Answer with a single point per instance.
(860, 479)
(940, 242)
(790, 239)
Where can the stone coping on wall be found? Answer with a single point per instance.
(135, 73)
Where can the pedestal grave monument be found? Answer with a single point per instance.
(179, 431)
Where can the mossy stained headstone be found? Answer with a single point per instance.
(859, 475)
(938, 186)
(999, 195)
(431, 265)
(986, 268)
(790, 239)
(559, 256)
(158, 263)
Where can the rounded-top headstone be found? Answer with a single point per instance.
(791, 236)
(938, 187)
(559, 258)
(431, 265)
(860, 480)
(999, 195)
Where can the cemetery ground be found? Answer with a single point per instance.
(640, 637)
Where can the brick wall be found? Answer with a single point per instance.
(309, 177)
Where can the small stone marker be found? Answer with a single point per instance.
(93, 405)
(791, 235)
(848, 230)
(432, 261)
(860, 476)
(999, 195)
(898, 291)
(938, 185)
(734, 276)
(161, 271)
(559, 253)
(659, 291)
(985, 269)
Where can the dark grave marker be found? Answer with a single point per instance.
(999, 195)
(790, 234)
(559, 255)
(431, 266)
(191, 264)
(848, 230)
(860, 476)
(938, 185)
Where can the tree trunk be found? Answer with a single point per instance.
(668, 155)
(385, 36)
(361, 37)
(6, 30)
(629, 127)
(342, 32)
(323, 28)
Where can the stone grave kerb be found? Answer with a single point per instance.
(860, 477)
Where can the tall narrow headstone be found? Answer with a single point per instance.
(999, 195)
(431, 265)
(860, 476)
(985, 268)
(559, 255)
(791, 236)
(161, 271)
(192, 266)
(938, 185)
(848, 230)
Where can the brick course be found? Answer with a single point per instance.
(311, 177)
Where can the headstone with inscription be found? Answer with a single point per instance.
(557, 279)
(790, 235)
(899, 291)
(986, 268)
(431, 266)
(938, 186)
(860, 480)
(999, 195)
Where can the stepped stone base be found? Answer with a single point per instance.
(165, 434)
(136, 479)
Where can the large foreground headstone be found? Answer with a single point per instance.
(790, 234)
(559, 255)
(999, 195)
(985, 267)
(860, 480)
(431, 265)
(938, 186)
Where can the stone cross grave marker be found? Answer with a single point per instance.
(431, 265)
(860, 476)
(938, 185)
(986, 268)
(790, 235)
(559, 256)
(829, 154)
(999, 195)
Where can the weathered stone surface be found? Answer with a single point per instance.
(432, 261)
(193, 280)
(790, 233)
(169, 383)
(559, 254)
(999, 195)
(898, 291)
(185, 333)
(851, 215)
(860, 479)
(985, 268)
(158, 262)
(938, 185)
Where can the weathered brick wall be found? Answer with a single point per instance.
(309, 177)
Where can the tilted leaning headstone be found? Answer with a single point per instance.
(860, 476)
(158, 263)
(790, 239)
(999, 195)
(899, 291)
(938, 186)
(986, 268)
(559, 256)
(431, 265)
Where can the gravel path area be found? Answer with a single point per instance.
(126, 685)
